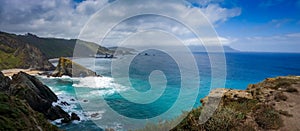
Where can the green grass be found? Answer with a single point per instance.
(8, 60)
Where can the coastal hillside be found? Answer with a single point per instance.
(15, 53)
(55, 48)
(272, 104)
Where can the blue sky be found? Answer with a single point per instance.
(247, 25)
(265, 19)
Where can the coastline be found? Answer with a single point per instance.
(11, 72)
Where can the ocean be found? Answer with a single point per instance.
(154, 92)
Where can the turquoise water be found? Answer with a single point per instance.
(101, 97)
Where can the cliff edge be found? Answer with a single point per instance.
(273, 104)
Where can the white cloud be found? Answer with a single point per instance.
(222, 40)
(215, 13)
(65, 18)
(275, 43)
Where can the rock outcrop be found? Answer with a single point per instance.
(67, 67)
(4, 82)
(27, 87)
(272, 104)
(17, 115)
(37, 95)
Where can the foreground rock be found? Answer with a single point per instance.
(4, 82)
(27, 87)
(72, 69)
(37, 95)
(17, 115)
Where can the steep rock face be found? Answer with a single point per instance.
(17, 115)
(38, 96)
(272, 104)
(72, 69)
(15, 53)
(27, 87)
(33, 58)
(4, 82)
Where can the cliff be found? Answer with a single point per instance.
(15, 53)
(27, 101)
(269, 105)
(272, 104)
(67, 67)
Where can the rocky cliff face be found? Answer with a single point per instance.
(273, 104)
(4, 82)
(27, 87)
(15, 53)
(269, 105)
(34, 95)
(72, 69)
(17, 115)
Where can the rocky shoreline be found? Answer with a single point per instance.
(19, 87)
(35, 97)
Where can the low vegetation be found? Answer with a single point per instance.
(17, 115)
(249, 110)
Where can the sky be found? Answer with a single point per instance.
(246, 25)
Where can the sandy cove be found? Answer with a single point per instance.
(11, 72)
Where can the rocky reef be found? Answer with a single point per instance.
(272, 104)
(67, 67)
(28, 101)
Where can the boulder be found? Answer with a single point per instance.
(55, 112)
(67, 67)
(74, 116)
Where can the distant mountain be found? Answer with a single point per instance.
(54, 47)
(202, 49)
(122, 50)
(15, 53)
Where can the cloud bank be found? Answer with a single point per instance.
(66, 18)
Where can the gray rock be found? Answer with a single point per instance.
(4, 82)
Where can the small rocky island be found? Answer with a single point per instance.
(67, 67)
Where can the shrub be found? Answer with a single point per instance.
(280, 96)
(267, 117)
(291, 89)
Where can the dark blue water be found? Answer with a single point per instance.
(241, 69)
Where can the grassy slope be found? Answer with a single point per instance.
(54, 48)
